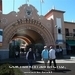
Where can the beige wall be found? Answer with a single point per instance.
(53, 14)
(42, 26)
(70, 26)
(48, 22)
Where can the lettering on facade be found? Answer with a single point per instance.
(28, 21)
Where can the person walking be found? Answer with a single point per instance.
(52, 57)
(37, 54)
(45, 55)
(16, 54)
(61, 52)
(30, 57)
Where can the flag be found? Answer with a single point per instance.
(42, 1)
(27, 1)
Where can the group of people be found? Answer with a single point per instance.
(59, 52)
(46, 55)
(49, 55)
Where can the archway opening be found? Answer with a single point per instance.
(28, 36)
(24, 38)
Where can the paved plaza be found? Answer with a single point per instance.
(64, 67)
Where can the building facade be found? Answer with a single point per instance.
(29, 26)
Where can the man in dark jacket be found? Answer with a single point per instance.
(30, 57)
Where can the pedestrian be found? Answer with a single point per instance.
(61, 52)
(30, 57)
(16, 53)
(37, 54)
(57, 53)
(45, 55)
(52, 57)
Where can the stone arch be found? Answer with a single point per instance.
(21, 37)
(30, 24)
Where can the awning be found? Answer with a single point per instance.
(70, 42)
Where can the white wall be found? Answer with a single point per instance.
(59, 25)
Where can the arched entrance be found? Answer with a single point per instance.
(22, 40)
(30, 36)
(29, 29)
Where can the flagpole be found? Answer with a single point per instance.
(27, 1)
(13, 4)
(40, 7)
(41, 1)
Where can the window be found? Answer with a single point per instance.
(1, 32)
(59, 30)
(57, 46)
(66, 32)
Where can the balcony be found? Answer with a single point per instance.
(70, 36)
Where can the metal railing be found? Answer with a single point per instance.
(70, 34)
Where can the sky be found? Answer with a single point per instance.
(64, 5)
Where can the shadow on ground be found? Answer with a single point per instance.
(51, 70)
(61, 70)
(14, 63)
